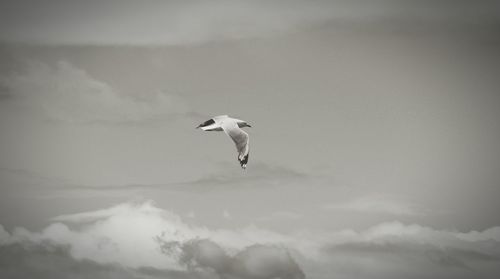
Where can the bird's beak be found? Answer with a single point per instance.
(248, 125)
(198, 127)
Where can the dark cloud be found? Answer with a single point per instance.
(253, 262)
(413, 253)
(20, 261)
(50, 261)
(441, 256)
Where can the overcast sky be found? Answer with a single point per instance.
(374, 140)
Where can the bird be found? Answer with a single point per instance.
(232, 128)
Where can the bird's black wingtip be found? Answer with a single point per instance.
(244, 161)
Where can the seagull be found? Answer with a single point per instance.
(231, 126)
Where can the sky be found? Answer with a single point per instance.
(374, 139)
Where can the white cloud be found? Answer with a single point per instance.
(138, 235)
(379, 204)
(125, 234)
(69, 94)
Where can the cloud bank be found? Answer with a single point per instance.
(135, 236)
(140, 240)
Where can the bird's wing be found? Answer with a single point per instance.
(240, 138)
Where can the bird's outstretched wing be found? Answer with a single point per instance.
(239, 137)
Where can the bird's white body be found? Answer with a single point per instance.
(231, 126)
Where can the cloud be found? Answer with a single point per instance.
(128, 235)
(20, 261)
(379, 204)
(140, 240)
(396, 250)
(488, 234)
(113, 235)
(256, 261)
(193, 22)
(66, 93)
(47, 261)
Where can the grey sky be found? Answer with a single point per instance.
(187, 22)
(374, 138)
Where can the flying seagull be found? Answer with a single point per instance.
(231, 126)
